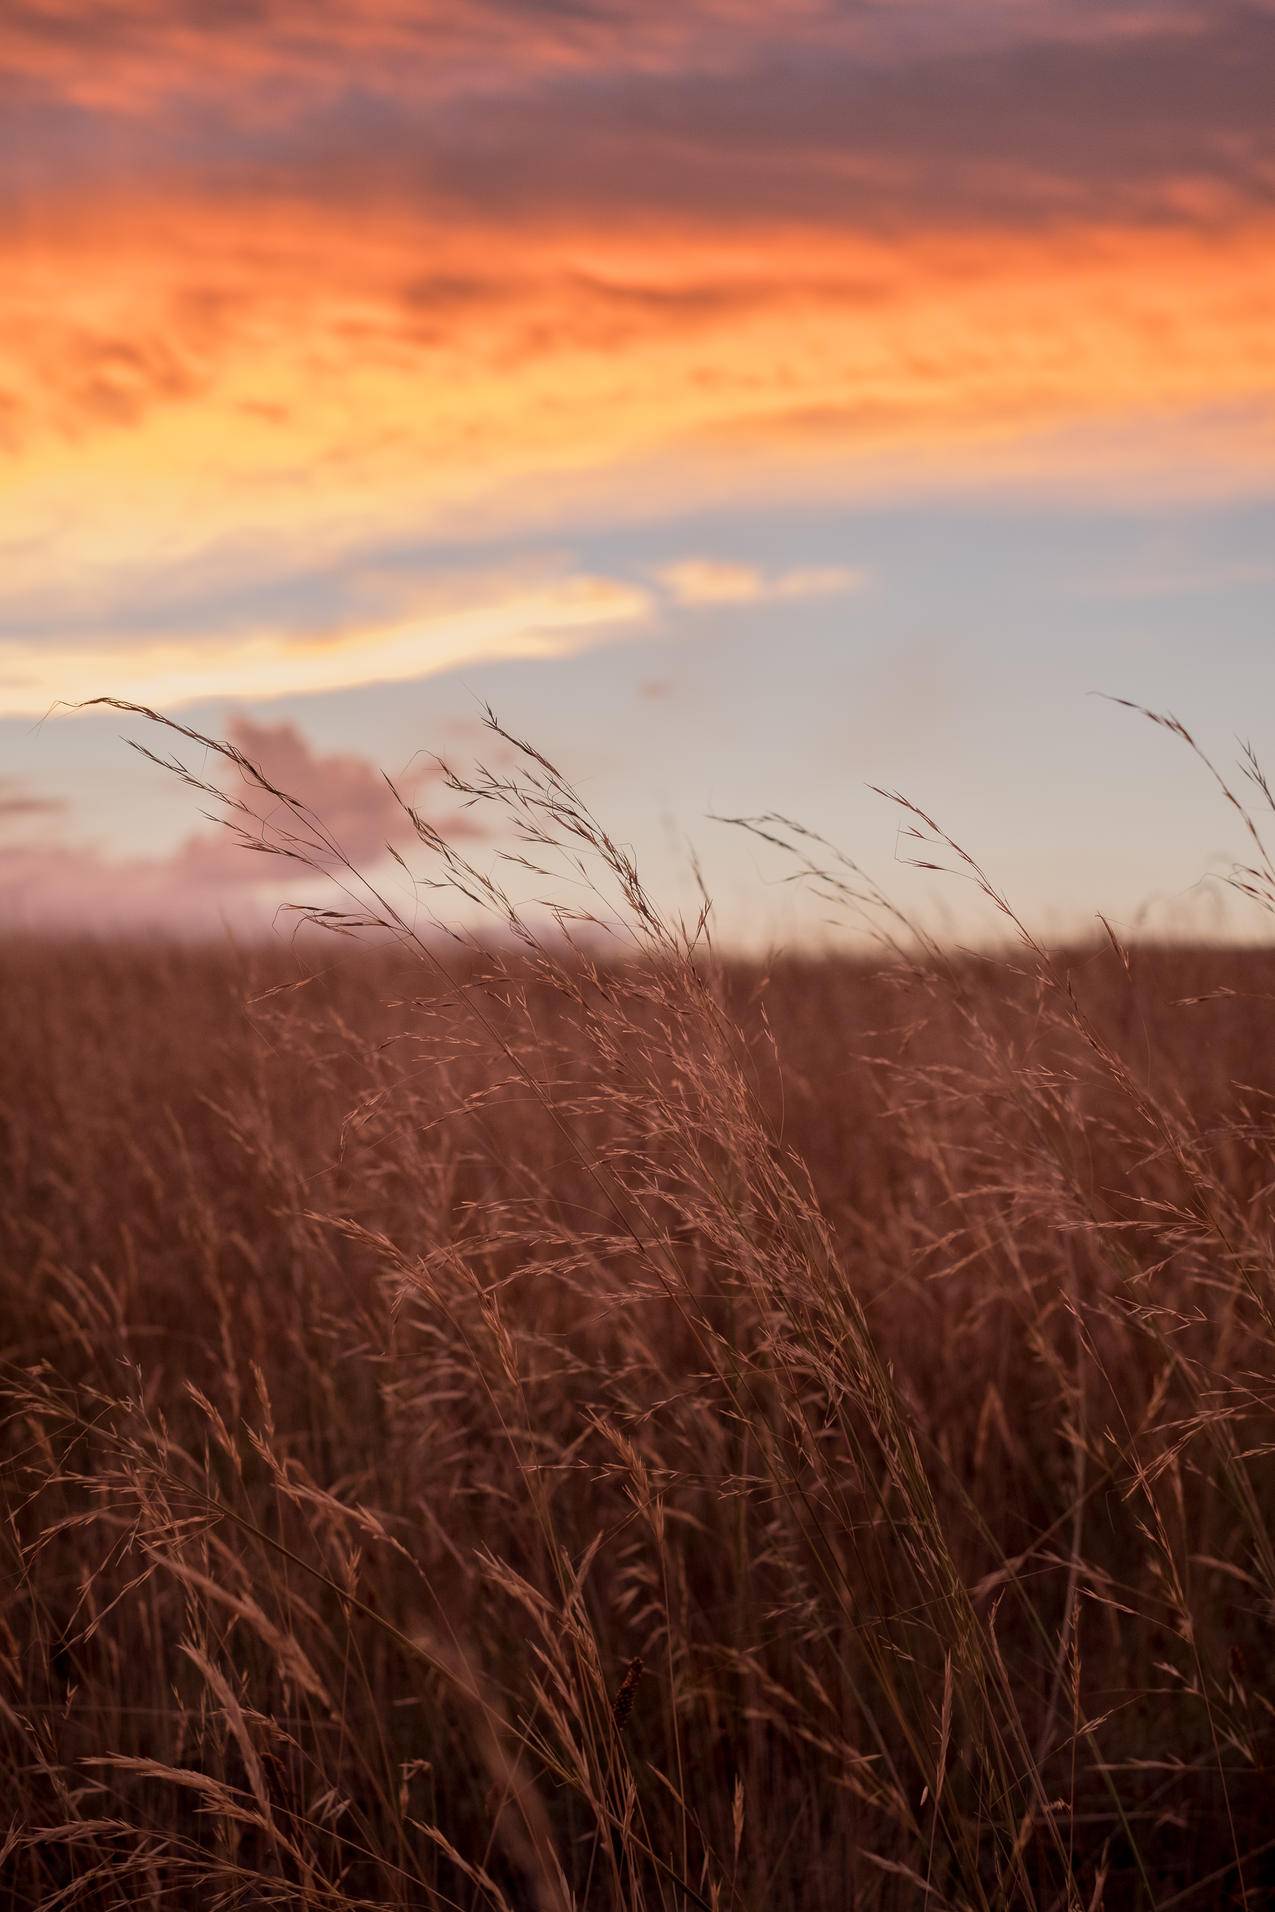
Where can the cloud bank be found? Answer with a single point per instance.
(287, 283)
(49, 884)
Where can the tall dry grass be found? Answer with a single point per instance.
(553, 1418)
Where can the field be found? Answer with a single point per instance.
(546, 1422)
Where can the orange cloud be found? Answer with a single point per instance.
(133, 53)
(291, 281)
(694, 581)
(175, 382)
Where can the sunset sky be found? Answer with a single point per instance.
(754, 403)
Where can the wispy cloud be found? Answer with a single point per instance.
(899, 115)
(461, 622)
(705, 581)
(19, 804)
(134, 56)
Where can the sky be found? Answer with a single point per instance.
(755, 404)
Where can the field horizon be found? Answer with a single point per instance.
(522, 1429)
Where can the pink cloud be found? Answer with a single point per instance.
(210, 877)
(18, 803)
(348, 793)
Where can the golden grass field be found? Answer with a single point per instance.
(522, 1423)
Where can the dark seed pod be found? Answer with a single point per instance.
(622, 1704)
